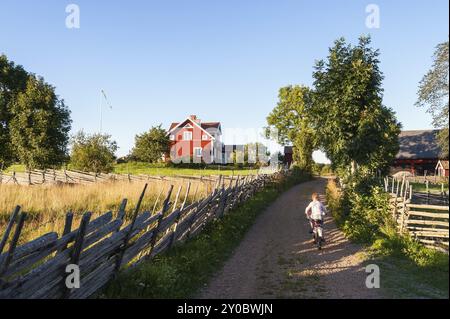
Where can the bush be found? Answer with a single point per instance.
(93, 153)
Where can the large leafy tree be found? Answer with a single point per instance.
(151, 145)
(40, 125)
(13, 80)
(34, 122)
(433, 94)
(293, 122)
(93, 153)
(354, 127)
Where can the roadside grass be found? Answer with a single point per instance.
(410, 270)
(184, 270)
(407, 268)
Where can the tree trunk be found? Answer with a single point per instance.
(353, 167)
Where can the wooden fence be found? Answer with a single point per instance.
(428, 224)
(402, 187)
(56, 177)
(104, 246)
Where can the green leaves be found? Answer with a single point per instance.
(93, 153)
(34, 122)
(433, 94)
(342, 114)
(292, 120)
(150, 146)
(354, 125)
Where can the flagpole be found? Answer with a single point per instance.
(101, 112)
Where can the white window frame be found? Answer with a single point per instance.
(172, 137)
(195, 151)
(189, 138)
(205, 137)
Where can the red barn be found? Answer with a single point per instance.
(195, 141)
(419, 152)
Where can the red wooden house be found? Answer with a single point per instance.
(194, 141)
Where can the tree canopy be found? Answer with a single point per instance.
(34, 122)
(342, 114)
(433, 94)
(93, 153)
(292, 119)
(150, 146)
(354, 127)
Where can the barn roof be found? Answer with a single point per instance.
(419, 144)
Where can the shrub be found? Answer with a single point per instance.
(93, 153)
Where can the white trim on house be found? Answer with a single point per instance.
(190, 120)
(198, 149)
(189, 137)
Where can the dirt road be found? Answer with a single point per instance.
(277, 258)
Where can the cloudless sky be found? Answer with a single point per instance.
(224, 60)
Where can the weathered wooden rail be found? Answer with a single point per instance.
(51, 177)
(428, 224)
(110, 243)
(401, 187)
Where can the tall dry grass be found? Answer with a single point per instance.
(47, 206)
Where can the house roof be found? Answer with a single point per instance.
(205, 125)
(419, 144)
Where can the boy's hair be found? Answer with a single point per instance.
(315, 196)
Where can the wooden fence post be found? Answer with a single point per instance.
(67, 229)
(12, 246)
(165, 208)
(77, 248)
(128, 235)
(10, 225)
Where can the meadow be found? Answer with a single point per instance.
(137, 168)
(47, 206)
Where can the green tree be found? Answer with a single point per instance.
(292, 119)
(39, 126)
(13, 80)
(93, 153)
(354, 127)
(433, 94)
(150, 145)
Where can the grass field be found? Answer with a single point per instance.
(433, 188)
(46, 206)
(136, 168)
(149, 169)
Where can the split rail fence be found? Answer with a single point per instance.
(60, 177)
(428, 224)
(104, 246)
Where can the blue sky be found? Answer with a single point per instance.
(159, 61)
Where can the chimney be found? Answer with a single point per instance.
(194, 119)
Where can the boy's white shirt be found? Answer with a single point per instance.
(317, 210)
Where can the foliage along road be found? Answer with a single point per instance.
(277, 258)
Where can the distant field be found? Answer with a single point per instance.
(433, 188)
(149, 169)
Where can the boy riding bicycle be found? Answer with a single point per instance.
(315, 211)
